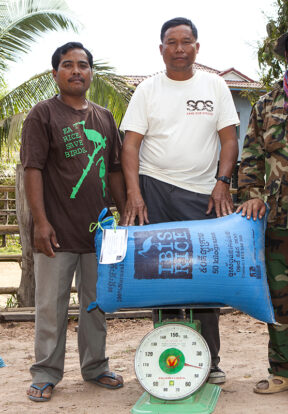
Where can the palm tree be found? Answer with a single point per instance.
(21, 23)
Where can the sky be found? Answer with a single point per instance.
(126, 35)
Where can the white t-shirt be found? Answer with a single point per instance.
(179, 121)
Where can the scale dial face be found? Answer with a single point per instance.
(172, 361)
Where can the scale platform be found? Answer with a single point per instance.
(202, 401)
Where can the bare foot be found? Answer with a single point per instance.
(271, 385)
(38, 394)
(264, 385)
(109, 380)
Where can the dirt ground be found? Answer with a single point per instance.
(243, 357)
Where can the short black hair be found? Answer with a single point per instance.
(177, 21)
(62, 50)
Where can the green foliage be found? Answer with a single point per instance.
(13, 245)
(252, 95)
(12, 301)
(23, 21)
(107, 89)
(271, 65)
(7, 173)
(3, 87)
(7, 169)
(10, 129)
(21, 99)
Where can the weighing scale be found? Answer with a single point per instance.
(172, 363)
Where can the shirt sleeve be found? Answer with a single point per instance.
(135, 118)
(251, 182)
(35, 141)
(227, 111)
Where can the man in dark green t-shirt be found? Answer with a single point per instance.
(71, 157)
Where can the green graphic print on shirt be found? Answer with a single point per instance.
(99, 143)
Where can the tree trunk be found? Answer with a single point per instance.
(26, 292)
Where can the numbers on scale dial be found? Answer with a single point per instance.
(149, 354)
(172, 361)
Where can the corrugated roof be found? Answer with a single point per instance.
(205, 68)
(244, 83)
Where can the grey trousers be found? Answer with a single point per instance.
(166, 202)
(53, 282)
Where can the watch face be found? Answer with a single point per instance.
(172, 361)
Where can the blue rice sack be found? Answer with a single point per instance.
(188, 262)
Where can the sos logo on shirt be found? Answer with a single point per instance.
(199, 106)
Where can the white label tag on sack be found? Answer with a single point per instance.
(114, 246)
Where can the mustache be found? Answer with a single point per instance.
(74, 78)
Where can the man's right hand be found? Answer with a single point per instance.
(45, 238)
(135, 207)
(252, 208)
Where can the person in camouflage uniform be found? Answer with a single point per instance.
(263, 176)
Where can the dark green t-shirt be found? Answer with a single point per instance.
(75, 150)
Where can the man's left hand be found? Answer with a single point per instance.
(221, 200)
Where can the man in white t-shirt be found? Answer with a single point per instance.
(173, 126)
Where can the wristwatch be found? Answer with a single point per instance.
(225, 179)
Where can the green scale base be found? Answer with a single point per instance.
(203, 401)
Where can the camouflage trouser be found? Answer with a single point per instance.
(276, 250)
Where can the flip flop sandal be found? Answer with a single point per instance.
(272, 387)
(41, 398)
(111, 375)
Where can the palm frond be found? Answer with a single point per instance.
(109, 90)
(26, 95)
(10, 129)
(23, 21)
(15, 128)
(21, 24)
(4, 132)
(3, 83)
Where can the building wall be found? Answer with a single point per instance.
(243, 108)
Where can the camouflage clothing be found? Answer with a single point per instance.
(265, 152)
(263, 173)
(277, 271)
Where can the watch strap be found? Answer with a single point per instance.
(225, 179)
